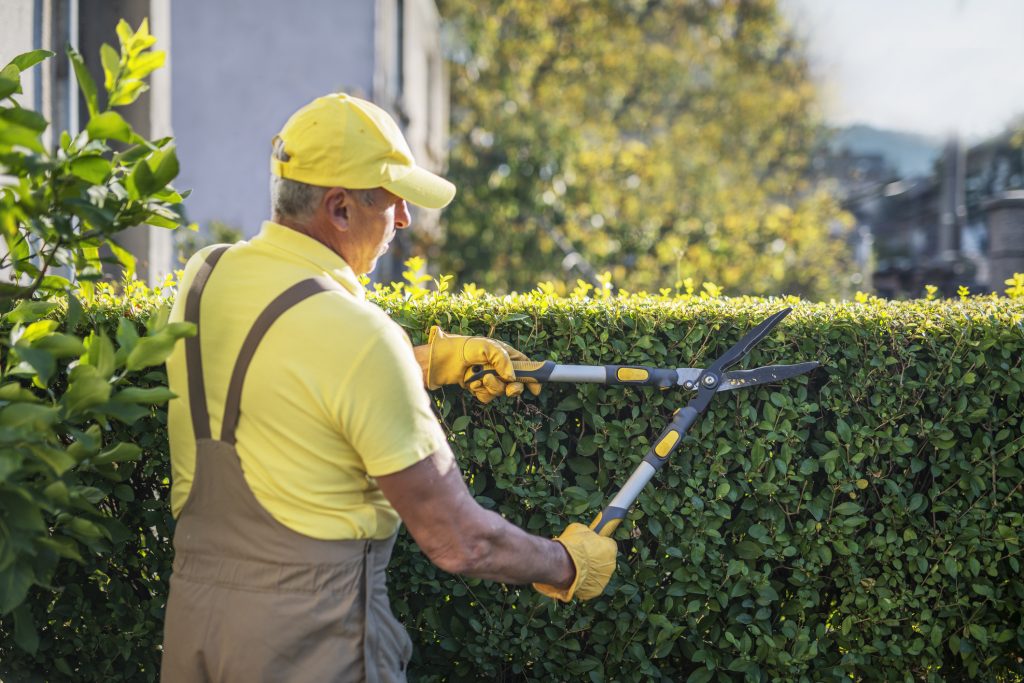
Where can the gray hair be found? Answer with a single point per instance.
(297, 201)
(293, 200)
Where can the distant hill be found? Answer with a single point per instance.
(909, 153)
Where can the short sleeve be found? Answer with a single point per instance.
(384, 410)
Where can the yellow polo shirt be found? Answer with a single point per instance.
(333, 396)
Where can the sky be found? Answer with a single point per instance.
(933, 67)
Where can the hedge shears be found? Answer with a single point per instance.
(705, 381)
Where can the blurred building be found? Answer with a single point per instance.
(857, 178)
(961, 224)
(241, 67)
(236, 71)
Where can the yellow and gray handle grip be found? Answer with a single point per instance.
(549, 371)
(608, 520)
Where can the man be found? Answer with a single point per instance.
(303, 433)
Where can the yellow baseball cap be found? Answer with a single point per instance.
(342, 141)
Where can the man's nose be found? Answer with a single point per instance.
(402, 217)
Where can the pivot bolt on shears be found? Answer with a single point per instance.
(705, 381)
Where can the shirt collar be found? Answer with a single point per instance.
(319, 255)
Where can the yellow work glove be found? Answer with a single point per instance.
(452, 358)
(594, 559)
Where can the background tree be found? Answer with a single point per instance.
(665, 139)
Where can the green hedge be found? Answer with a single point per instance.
(865, 522)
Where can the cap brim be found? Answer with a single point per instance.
(423, 188)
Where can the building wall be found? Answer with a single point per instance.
(48, 87)
(1005, 217)
(425, 85)
(149, 116)
(240, 68)
(410, 81)
(17, 23)
(236, 70)
(17, 35)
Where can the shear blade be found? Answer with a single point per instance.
(741, 379)
(749, 340)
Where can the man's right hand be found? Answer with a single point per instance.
(592, 555)
(449, 359)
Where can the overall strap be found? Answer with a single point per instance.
(193, 355)
(290, 297)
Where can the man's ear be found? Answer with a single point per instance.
(336, 203)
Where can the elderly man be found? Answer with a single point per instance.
(298, 445)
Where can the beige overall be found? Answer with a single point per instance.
(251, 600)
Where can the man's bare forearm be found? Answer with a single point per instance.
(501, 551)
(461, 537)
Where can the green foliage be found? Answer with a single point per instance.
(100, 617)
(125, 73)
(865, 522)
(1016, 286)
(69, 394)
(60, 207)
(862, 523)
(665, 139)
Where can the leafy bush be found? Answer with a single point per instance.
(101, 617)
(68, 393)
(862, 522)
